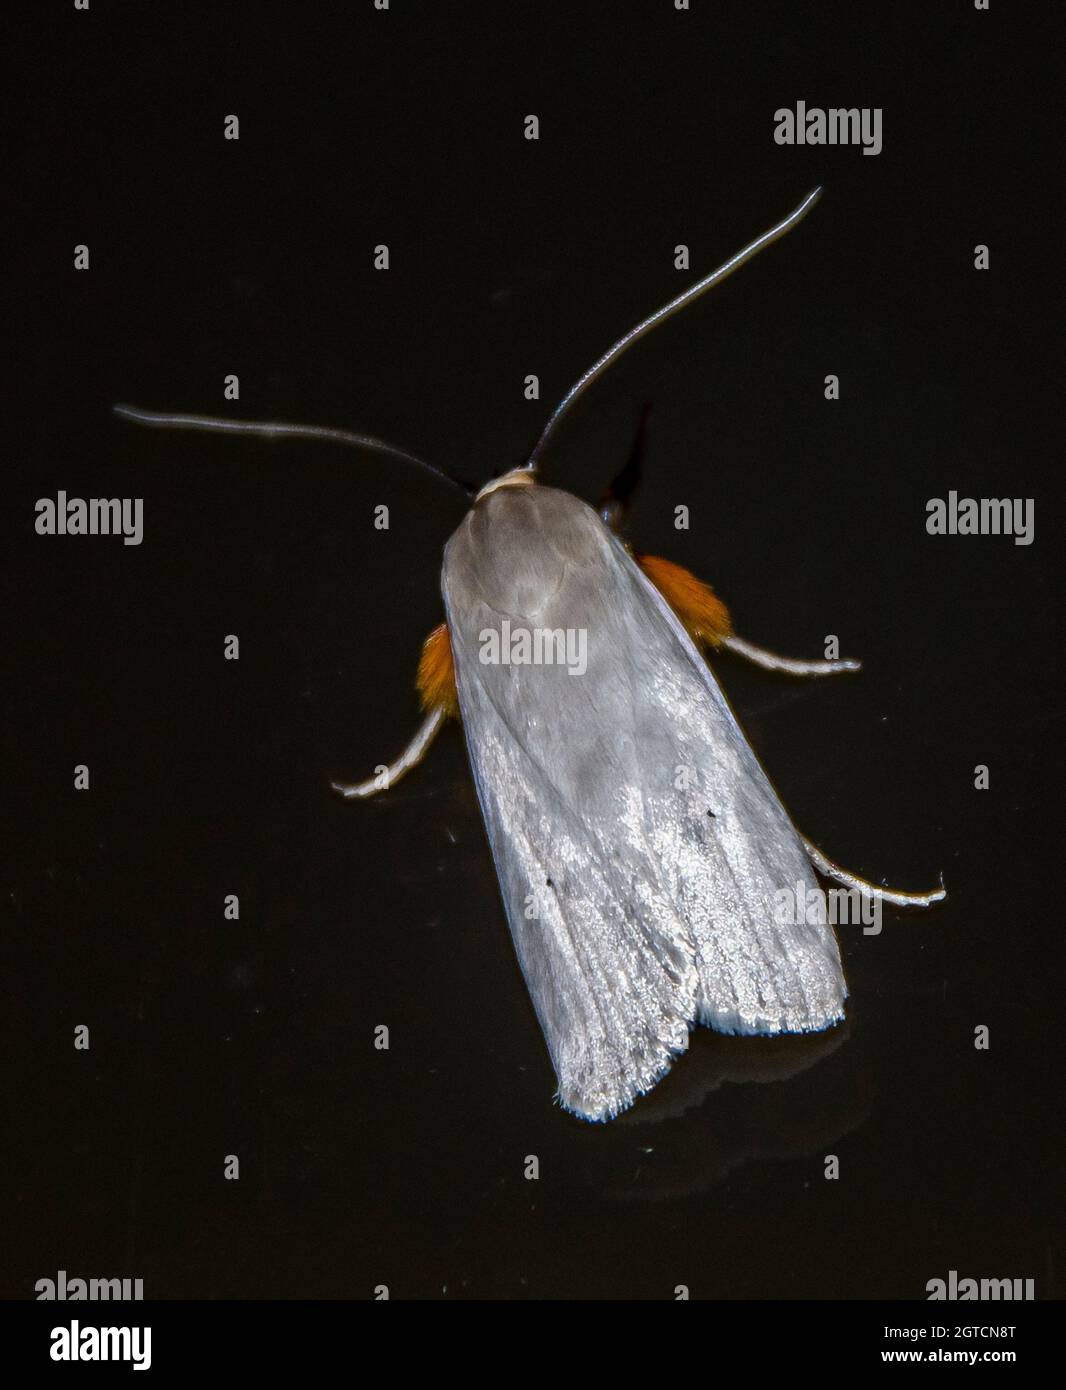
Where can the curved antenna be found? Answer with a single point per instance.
(661, 315)
(271, 430)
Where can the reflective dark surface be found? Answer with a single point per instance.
(406, 1168)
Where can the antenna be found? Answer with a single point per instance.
(661, 315)
(270, 430)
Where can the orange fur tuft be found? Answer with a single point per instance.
(704, 615)
(436, 672)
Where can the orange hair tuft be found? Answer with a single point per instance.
(704, 615)
(436, 672)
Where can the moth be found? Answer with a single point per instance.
(641, 849)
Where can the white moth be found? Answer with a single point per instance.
(640, 902)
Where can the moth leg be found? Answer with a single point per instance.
(411, 756)
(770, 661)
(707, 620)
(614, 504)
(828, 869)
(436, 686)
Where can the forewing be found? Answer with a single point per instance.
(634, 912)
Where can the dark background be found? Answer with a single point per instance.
(210, 777)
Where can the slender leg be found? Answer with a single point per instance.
(828, 869)
(770, 661)
(614, 504)
(707, 619)
(411, 756)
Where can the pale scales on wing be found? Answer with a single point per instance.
(651, 914)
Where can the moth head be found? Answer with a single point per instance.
(523, 476)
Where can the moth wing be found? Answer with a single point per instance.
(768, 959)
(634, 913)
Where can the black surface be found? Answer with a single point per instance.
(209, 777)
